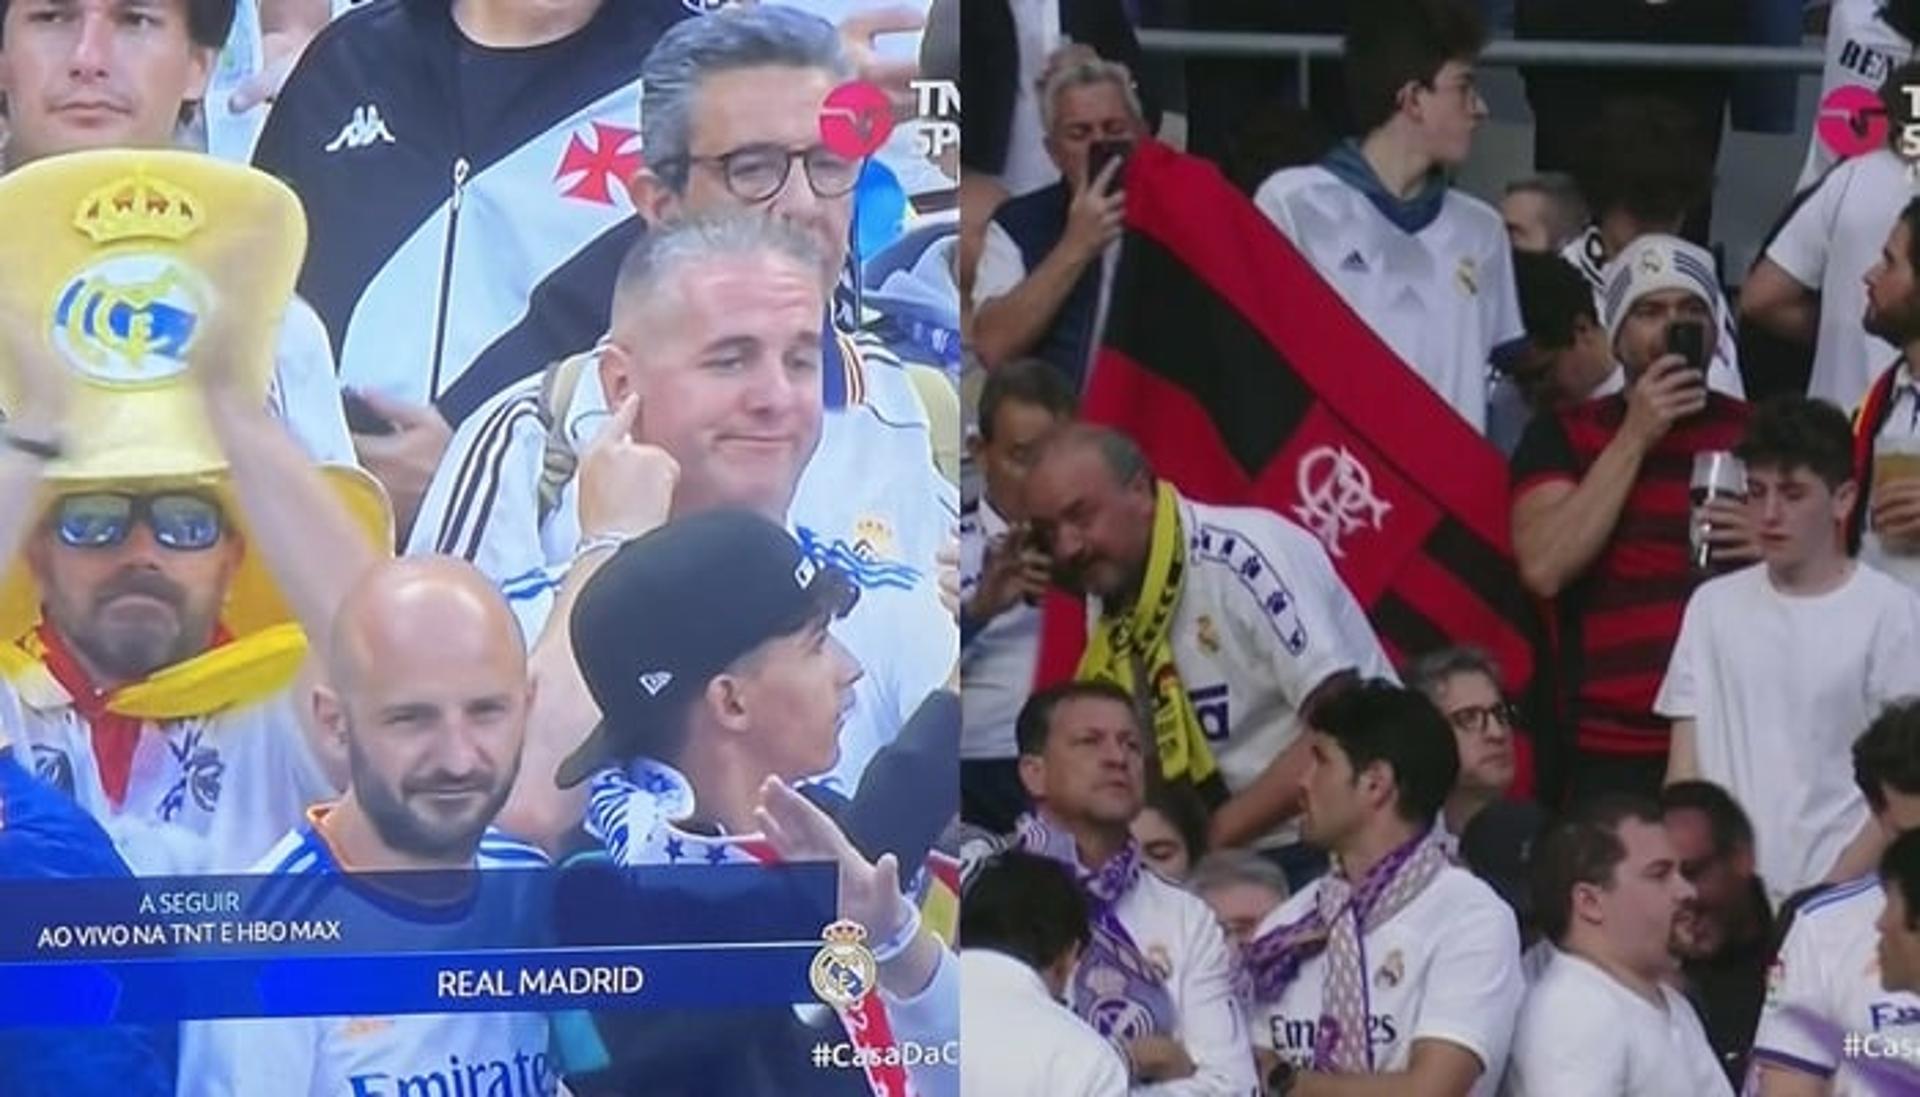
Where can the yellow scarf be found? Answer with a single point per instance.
(238, 672)
(1141, 640)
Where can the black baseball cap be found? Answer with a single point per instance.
(672, 609)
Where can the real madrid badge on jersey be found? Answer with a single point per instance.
(112, 251)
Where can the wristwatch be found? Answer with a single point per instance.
(1280, 1080)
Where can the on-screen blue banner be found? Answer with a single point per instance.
(82, 952)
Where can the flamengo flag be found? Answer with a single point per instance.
(1248, 381)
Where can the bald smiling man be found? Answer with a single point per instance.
(429, 700)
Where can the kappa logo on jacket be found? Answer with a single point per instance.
(365, 128)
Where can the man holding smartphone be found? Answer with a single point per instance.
(1046, 262)
(1600, 511)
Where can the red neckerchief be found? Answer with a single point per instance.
(866, 1023)
(114, 736)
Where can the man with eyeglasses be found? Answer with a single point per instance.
(1465, 686)
(732, 106)
(1426, 266)
(1046, 263)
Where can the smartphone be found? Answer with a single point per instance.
(1689, 341)
(361, 418)
(1101, 153)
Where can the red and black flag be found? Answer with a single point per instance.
(1249, 381)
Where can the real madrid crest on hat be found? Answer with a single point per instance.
(118, 247)
(843, 971)
(116, 254)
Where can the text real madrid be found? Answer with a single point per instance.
(534, 982)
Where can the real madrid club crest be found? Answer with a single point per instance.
(843, 971)
(1208, 634)
(1652, 261)
(873, 538)
(1468, 276)
(1391, 972)
(128, 315)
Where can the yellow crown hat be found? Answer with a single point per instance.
(113, 253)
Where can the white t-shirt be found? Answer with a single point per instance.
(447, 1053)
(1263, 620)
(1901, 431)
(1780, 685)
(998, 664)
(870, 501)
(1040, 1049)
(1583, 1034)
(305, 391)
(1178, 931)
(1827, 245)
(1587, 253)
(1825, 984)
(1442, 298)
(1444, 967)
(1036, 25)
(1862, 51)
(204, 795)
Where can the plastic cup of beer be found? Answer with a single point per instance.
(1896, 461)
(1717, 474)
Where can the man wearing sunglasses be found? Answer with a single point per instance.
(153, 626)
(1465, 686)
(732, 108)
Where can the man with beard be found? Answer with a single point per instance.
(1885, 522)
(1602, 1021)
(427, 690)
(1235, 626)
(148, 653)
(1724, 935)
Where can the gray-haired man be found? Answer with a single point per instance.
(732, 107)
(1464, 685)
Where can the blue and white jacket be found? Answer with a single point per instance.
(427, 241)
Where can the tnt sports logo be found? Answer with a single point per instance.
(524, 1075)
(843, 972)
(128, 320)
(855, 120)
(1852, 121)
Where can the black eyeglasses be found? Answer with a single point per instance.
(755, 173)
(1473, 719)
(182, 521)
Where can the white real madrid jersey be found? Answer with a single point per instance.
(1263, 619)
(204, 795)
(1445, 967)
(1825, 987)
(443, 1055)
(1861, 52)
(1442, 298)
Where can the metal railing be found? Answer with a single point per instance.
(1504, 51)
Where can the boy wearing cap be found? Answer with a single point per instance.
(149, 656)
(1600, 504)
(703, 732)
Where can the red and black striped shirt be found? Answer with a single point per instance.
(1618, 622)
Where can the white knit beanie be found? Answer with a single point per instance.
(1650, 264)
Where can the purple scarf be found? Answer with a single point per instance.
(1114, 988)
(1274, 960)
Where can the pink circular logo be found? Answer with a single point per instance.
(855, 120)
(1852, 121)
